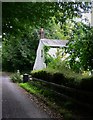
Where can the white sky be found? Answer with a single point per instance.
(84, 15)
(87, 16)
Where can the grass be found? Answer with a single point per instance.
(30, 88)
(59, 105)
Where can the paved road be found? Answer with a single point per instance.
(0, 96)
(16, 104)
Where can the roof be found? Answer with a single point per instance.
(54, 43)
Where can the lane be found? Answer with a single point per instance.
(0, 95)
(16, 104)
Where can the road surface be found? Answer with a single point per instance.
(0, 96)
(16, 103)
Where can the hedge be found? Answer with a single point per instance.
(62, 79)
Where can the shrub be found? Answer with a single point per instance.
(73, 80)
(50, 76)
(87, 83)
(58, 78)
(16, 78)
(42, 74)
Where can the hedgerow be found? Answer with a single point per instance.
(77, 81)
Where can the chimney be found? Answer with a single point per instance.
(41, 33)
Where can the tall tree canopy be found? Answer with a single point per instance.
(21, 22)
(38, 14)
(80, 48)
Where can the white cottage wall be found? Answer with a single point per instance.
(39, 61)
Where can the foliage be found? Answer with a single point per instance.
(30, 88)
(16, 78)
(20, 13)
(16, 13)
(55, 62)
(80, 48)
(47, 58)
(42, 74)
(19, 52)
(21, 23)
(53, 31)
(0, 55)
(56, 59)
(65, 76)
(53, 76)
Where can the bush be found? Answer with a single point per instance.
(42, 74)
(58, 78)
(71, 80)
(87, 83)
(50, 76)
(16, 78)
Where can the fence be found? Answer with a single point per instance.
(82, 98)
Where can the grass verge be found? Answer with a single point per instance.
(60, 106)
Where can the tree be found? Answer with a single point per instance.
(19, 52)
(21, 22)
(15, 14)
(80, 48)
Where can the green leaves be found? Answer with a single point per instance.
(81, 47)
(19, 52)
(21, 24)
(39, 13)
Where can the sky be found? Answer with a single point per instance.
(87, 15)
